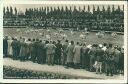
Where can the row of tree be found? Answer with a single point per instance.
(65, 13)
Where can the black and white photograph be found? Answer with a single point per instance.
(64, 41)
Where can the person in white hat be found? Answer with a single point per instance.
(89, 46)
(104, 46)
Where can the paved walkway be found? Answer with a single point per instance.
(28, 65)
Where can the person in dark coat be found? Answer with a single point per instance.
(5, 46)
(109, 60)
(64, 56)
(15, 47)
(43, 52)
(92, 54)
(18, 49)
(28, 43)
(85, 57)
(103, 63)
(32, 51)
(121, 61)
(117, 54)
(23, 50)
(58, 53)
(40, 53)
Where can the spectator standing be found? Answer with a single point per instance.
(50, 52)
(85, 57)
(58, 53)
(10, 52)
(77, 55)
(5, 46)
(70, 54)
(64, 56)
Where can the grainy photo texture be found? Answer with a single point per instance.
(43, 41)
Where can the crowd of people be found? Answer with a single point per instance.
(95, 18)
(100, 58)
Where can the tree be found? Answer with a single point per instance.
(75, 11)
(113, 8)
(48, 9)
(44, 13)
(93, 9)
(98, 9)
(11, 11)
(62, 12)
(7, 12)
(70, 9)
(103, 9)
(54, 12)
(123, 7)
(79, 9)
(4, 11)
(51, 9)
(68, 14)
(108, 10)
(66, 8)
(37, 13)
(88, 8)
(44, 10)
(62, 9)
(98, 13)
(34, 13)
(58, 10)
(118, 9)
(31, 13)
(15, 11)
(40, 11)
(27, 13)
(84, 9)
(103, 12)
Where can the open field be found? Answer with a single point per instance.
(90, 39)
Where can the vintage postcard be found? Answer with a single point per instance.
(64, 42)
